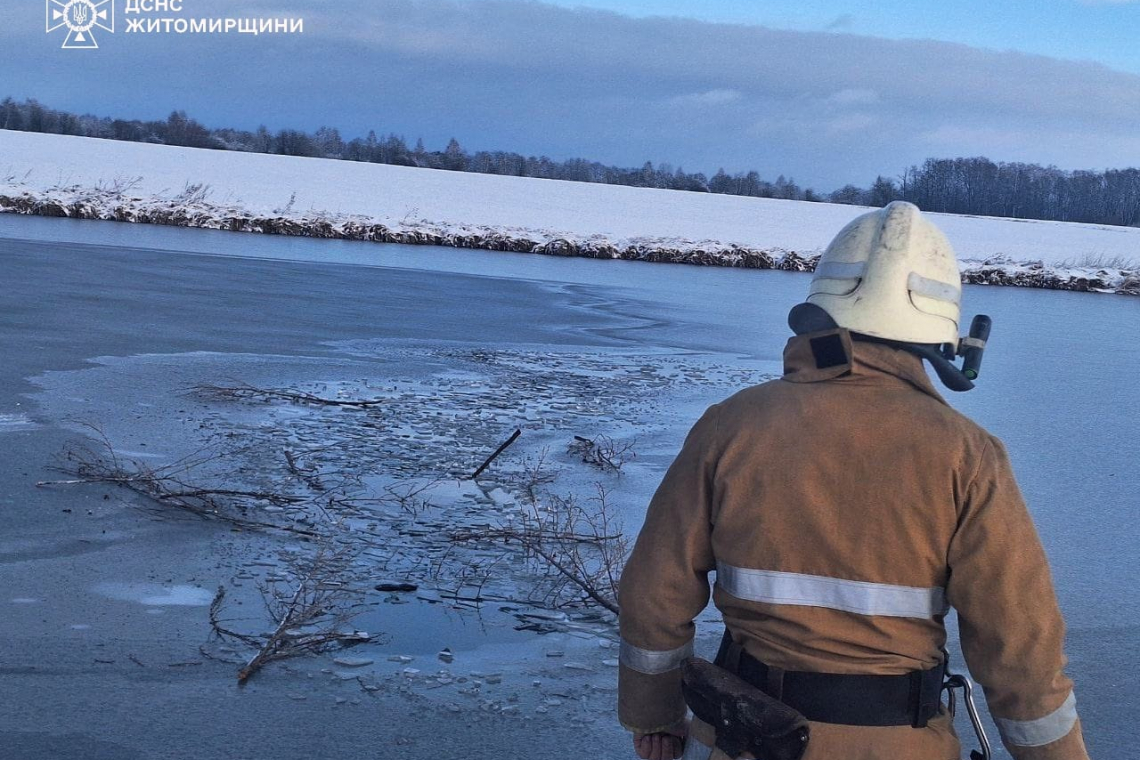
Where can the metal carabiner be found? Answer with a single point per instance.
(956, 681)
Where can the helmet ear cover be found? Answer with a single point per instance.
(807, 318)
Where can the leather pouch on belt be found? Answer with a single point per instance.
(745, 718)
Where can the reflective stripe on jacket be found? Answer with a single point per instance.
(844, 509)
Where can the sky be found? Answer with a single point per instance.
(828, 93)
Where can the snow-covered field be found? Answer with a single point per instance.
(76, 176)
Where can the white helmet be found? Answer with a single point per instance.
(891, 274)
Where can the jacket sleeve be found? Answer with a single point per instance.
(1010, 625)
(664, 586)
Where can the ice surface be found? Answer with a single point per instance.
(1058, 386)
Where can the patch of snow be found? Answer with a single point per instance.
(156, 595)
(12, 422)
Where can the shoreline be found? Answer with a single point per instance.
(109, 204)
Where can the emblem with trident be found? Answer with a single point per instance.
(80, 17)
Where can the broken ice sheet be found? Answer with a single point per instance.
(156, 595)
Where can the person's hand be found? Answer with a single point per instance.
(663, 745)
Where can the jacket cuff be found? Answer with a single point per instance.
(1071, 746)
(650, 703)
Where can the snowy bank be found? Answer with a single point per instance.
(54, 175)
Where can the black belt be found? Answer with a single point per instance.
(910, 699)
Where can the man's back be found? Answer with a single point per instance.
(852, 480)
(843, 508)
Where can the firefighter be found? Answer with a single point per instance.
(845, 507)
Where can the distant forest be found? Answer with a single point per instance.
(952, 185)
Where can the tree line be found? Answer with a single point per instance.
(952, 185)
(1010, 189)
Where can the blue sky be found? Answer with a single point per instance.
(827, 92)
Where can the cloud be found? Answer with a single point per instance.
(841, 23)
(854, 97)
(852, 123)
(718, 97)
(826, 108)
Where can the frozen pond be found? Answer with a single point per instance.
(110, 324)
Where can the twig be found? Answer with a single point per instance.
(311, 479)
(602, 452)
(498, 451)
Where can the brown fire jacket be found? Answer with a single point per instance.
(844, 509)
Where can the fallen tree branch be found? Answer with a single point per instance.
(602, 452)
(311, 618)
(166, 485)
(535, 535)
(574, 576)
(577, 545)
(246, 391)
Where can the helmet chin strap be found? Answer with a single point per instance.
(950, 375)
(808, 318)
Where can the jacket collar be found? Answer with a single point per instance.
(829, 354)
